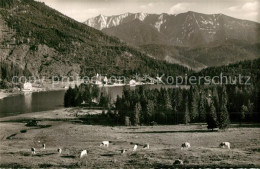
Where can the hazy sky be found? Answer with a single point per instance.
(81, 10)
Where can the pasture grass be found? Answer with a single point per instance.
(165, 145)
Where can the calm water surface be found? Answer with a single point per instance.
(43, 101)
(31, 102)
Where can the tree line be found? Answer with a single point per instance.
(86, 95)
(215, 105)
(198, 104)
(8, 70)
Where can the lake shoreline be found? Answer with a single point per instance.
(57, 114)
(5, 93)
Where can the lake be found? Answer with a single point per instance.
(50, 100)
(31, 102)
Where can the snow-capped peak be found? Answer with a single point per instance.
(141, 16)
(100, 22)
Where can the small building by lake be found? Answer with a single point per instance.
(27, 87)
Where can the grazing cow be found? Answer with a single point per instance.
(123, 151)
(225, 145)
(146, 146)
(59, 150)
(185, 145)
(178, 162)
(83, 153)
(135, 147)
(43, 146)
(105, 143)
(33, 150)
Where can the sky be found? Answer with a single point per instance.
(81, 10)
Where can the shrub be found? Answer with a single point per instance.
(32, 123)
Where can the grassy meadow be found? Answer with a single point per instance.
(62, 129)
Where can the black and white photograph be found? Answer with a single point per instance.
(130, 84)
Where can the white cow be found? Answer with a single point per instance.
(185, 145)
(105, 143)
(43, 146)
(225, 145)
(83, 153)
(59, 150)
(146, 146)
(123, 151)
(33, 150)
(178, 162)
(135, 147)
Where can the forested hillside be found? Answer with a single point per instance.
(246, 68)
(201, 57)
(43, 41)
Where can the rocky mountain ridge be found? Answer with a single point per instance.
(185, 38)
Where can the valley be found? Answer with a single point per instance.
(73, 76)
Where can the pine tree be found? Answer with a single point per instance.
(168, 109)
(215, 98)
(103, 102)
(212, 119)
(179, 100)
(186, 119)
(193, 103)
(78, 96)
(243, 112)
(250, 108)
(168, 105)
(69, 98)
(258, 105)
(126, 107)
(66, 99)
(174, 107)
(143, 102)
(223, 114)
(127, 121)
(224, 118)
(149, 111)
(86, 94)
(94, 92)
(120, 108)
(202, 107)
(137, 112)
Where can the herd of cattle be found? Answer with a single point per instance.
(84, 153)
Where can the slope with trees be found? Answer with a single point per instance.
(47, 43)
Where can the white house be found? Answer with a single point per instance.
(105, 80)
(132, 83)
(27, 86)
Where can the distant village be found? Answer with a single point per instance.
(105, 81)
(98, 79)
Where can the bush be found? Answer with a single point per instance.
(32, 123)
(4, 84)
(23, 131)
(127, 121)
(153, 123)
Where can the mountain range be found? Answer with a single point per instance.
(175, 38)
(38, 40)
(41, 41)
